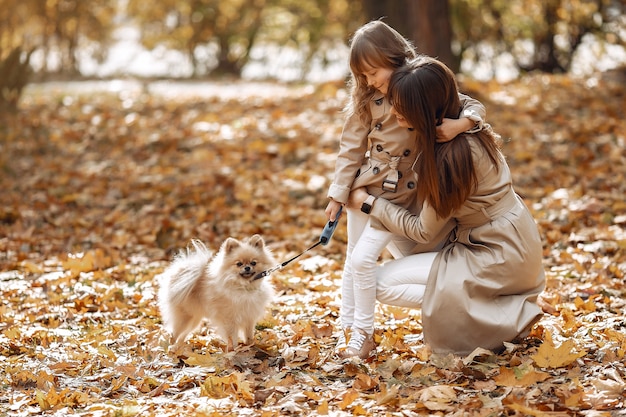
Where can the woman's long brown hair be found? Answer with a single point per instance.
(424, 92)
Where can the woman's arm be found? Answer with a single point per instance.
(422, 228)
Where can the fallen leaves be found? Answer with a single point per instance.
(550, 356)
(97, 197)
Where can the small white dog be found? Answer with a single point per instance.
(224, 288)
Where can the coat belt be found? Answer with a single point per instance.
(390, 183)
(486, 214)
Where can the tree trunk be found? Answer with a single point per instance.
(425, 22)
(14, 75)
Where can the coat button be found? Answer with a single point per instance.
(378, 126)
(376, 170)
(407, 152)
(411, 185)
(379, 148)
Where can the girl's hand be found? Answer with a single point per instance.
(450, 128)
(332, 209)
(357, 197)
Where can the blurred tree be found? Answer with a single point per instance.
(215, 34)
(46, 36)
(315, 28)
(71, 27)
(425, 22)
(542, 35)
(15, 51)
(218, 37)
(14, 75)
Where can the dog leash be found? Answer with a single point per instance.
(325, 237)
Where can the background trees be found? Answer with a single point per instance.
(221, 37)
(426, 22)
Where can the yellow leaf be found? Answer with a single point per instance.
(387, 396)
(359, 411)
(364, 382)
(103, 350)
(519, 377)
(348, 399)
(527, 411)
(550, 356)
(588, 305)
(32, 267)
(197, 359)
(40, 396)
(312, 395)
(214, 387)
(322, 408)
(13, 333)
(438, 397)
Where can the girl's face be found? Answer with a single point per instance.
(378, 77)
(401, 120)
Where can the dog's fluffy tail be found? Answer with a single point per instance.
(188, 267)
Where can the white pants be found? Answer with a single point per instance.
(402, 282)
(358, 288)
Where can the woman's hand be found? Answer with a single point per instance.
(332, 209)
(450, 128)
(357, 197)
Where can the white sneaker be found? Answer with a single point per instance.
(361, 344)
(342, 340)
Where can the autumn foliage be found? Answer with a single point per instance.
(101, 188)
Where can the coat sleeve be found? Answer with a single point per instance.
(473, 110)
(422, 228)
(350, 158)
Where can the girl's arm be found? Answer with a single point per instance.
(471, 119)
(352, 150)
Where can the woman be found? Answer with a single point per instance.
(378, 154)
(481, 289)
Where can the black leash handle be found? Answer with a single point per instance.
(325, 237)
(329, 229)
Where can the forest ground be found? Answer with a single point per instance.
(101, 187)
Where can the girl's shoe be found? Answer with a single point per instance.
(361, 344)
(342, 340)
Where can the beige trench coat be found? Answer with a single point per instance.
(482, 289)
(381, 156)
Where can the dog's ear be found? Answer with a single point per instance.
(256, 241)
(230, 244)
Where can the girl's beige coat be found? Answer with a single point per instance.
(383, 153)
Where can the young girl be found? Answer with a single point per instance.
(376, 153)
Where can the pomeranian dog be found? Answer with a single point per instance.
(226, 289)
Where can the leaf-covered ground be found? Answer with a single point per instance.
(100, 188)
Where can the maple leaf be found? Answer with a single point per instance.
(520, 376)
(550, 356)
(348, 398)
(438, 397)
(364, 382)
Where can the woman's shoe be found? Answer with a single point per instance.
(361, 344)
